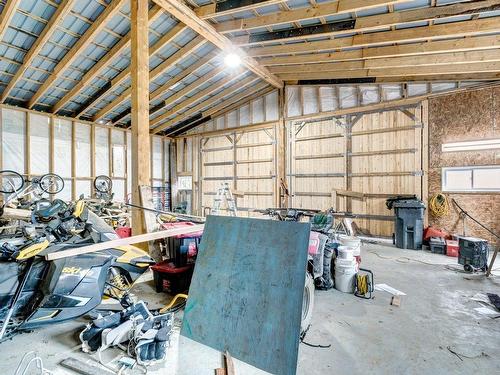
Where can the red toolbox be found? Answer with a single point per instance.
(433, 232)
(172, 279)
(452, 248)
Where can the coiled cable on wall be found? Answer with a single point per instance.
(439, 205)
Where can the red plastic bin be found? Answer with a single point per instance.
(452, 248)
(172, 279)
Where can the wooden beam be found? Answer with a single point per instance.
(301, 14)
(198, 96)
(141, 171)
(319, 78)
(124, 74)
(426, 14)
(361, 24)
(118, 49)
(204, 104)
(183, 74)
(216, 10)
(40, 42)
(83, 42)
(438, 59)
(8, 12)
(183, 93)
(421, 48)
(458, 58)
(331, 72)
(153, 74)
(141, 238)
(417, 34)
(184, 14)
(167, 86)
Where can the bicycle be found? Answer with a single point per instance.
(16, 186)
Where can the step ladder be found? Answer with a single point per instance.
(224, 192)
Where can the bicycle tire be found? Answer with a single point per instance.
(47, 190)
(108, 181)
(8, 171)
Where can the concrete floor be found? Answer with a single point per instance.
(366, 336)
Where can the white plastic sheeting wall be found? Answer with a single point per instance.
(73, 154)
(39, 144)
(307, 100)
(259, 110)
(62, 153)
(13, 135)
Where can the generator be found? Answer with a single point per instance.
(473, 253)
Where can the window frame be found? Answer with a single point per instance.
(445, 189)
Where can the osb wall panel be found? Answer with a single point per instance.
(465, 116)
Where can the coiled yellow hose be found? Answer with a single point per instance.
(439, 205)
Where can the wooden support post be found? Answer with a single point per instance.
(73, 161)
(27, 151)
(141, 149)
(280, 145)
(424, 149)
(348, 162)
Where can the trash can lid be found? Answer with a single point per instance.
(409, 203)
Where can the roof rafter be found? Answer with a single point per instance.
(168, 86)
(113, 53)
(225, 8)
(188, 89)
(79, 47)
(153, 74)
(321, 71)
(124, 74)
(320, 79)
(7, 13)
(368, 23)
(199, 95)
(417, 34)
(458, 58)
(184, 14)
(421, 48)
(301, 14)
(209, 103)
(61, 11)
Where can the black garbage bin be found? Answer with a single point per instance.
(409, 223)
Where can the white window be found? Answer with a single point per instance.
(471, 179)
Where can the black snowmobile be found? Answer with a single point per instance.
(35, 292)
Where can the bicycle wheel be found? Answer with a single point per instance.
(103, 184)
(51, 183)
(10, 181)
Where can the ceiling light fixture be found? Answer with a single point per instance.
(232, 60)
(484, 144)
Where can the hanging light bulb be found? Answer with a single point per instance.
(232, 60)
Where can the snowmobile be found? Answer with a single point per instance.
(35, 292)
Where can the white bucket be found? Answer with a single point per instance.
(345, 253)
(352, 242)
(345, 273)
